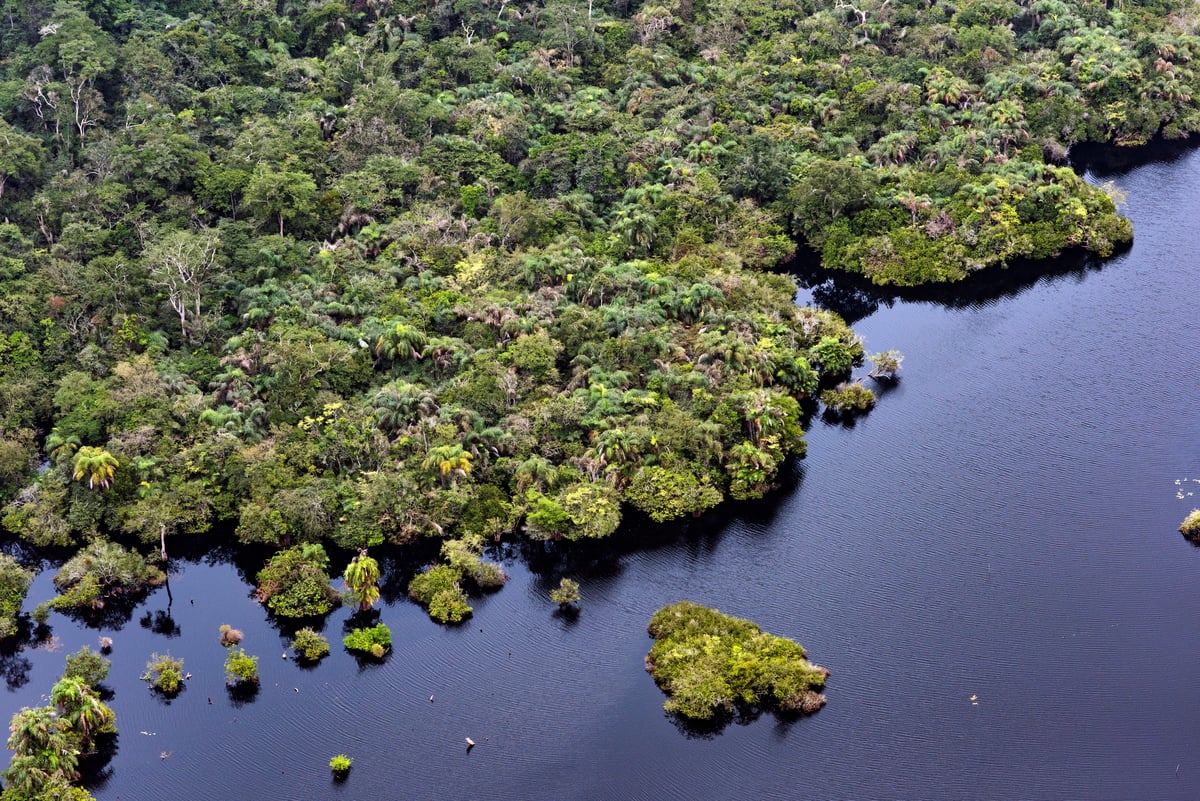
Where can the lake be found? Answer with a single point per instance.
(1002, 525)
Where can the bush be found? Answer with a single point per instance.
(710, 663)
(14, 583)
(309, 645)
(294, 583)
(103, 570)
(848, 398)
(230, 636)
(567, 592)
(340, 764)
(1190, 527)
(165, 674)
(240, 668)
(87, 666)
(450, 606)
(438, 590)
(374, 640)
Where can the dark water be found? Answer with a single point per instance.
(1002, 525)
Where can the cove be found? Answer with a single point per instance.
(1002, 525)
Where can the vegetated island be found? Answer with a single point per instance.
(712, 664)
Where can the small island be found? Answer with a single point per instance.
(712, 664)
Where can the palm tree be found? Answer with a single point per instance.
(61, 446)
(361, 578)
(449, 461)
(43, 750)
(400, 343)
(97, 464)
(81, 708)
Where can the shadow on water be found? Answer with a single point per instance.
(1106, 161)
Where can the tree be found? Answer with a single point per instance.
(181, 263)
(44, 753)
(567, 592)
(361, 578)
(97, 465)
(20, 155)
(281, 196)
(80, 706)
(14, 583)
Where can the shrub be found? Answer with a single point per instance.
(165, 674)
(309, 645)
(230, 636)
(1190, 527)
(294, 583)
(465, 556)
(450, 606)
(240, 667)
(373, 640)
(567, 592)
(340, 764)
(14, 583)
(102, 570)
(709, 663)
(438, 590)
(848, 398)
(87, 666)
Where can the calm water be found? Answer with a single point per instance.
(1002, 525)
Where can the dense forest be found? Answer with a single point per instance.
(358, 272)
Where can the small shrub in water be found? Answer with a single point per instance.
(230, 636)
(240, 667)
(374, 640)
(849, 399)
(309, 645)
(567, 592)
(1190, 527)
(340, 764)
(165, 674)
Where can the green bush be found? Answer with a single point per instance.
(849, 398)
(438, 590)
(87, 666)
(340, 764)
(294, 583)
(373, 640)
(1190, 527)
(14, 584)
(309, 645)
(240, 667)
(567, 592)
(165, 674)
(103, 570)
(710, 663)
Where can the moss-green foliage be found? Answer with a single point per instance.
(294, 583)
(567, 592)
(849, 398)
(340, 763)
(374, 640)
(438, 589)
(14, 584)
(88, 666)
(102, 570)
(309, 645)
(240, 667)
(466, 556)
(709, 663)
(1190, 527)
(164, 673)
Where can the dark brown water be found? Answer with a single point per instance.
(1002, 525)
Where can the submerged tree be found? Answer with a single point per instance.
(361, 579)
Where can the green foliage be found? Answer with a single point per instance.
(361, 579)
(240, 667)
(1190, 527)
(438, 589)
(88, 666)
(294, 583)
(340, 764)
(373, 640)
(885, 364)
(849, 398)
(165, 674)
(14, 584)
(668, 493)
(567, 592)
(102, 570)
(310, 645)
(710, 663)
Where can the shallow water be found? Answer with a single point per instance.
(1002, 525)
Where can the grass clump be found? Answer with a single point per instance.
(309, 645)
(1190, 527)
(709, 663)
(165, 674)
